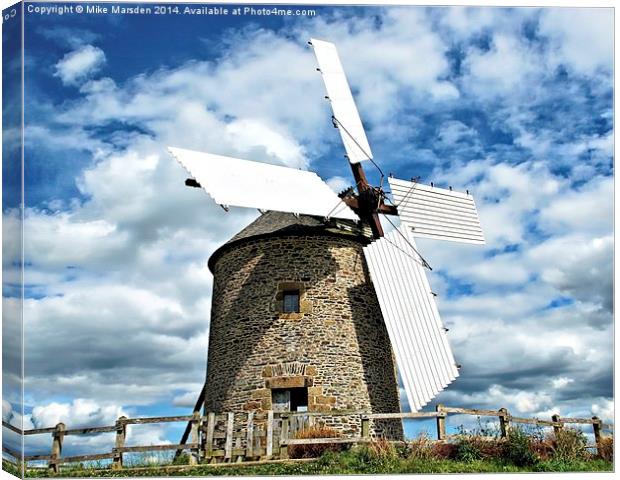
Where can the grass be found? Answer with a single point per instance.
(359, 460)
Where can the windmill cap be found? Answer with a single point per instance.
(278, 224)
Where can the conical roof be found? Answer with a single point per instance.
(277, 224)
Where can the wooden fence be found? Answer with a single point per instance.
(237, 437)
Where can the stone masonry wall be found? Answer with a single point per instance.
(337, 345)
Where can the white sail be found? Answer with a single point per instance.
(432, 212)
(243, 183)
(341, 99)
(423, 355)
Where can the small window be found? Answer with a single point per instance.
(291, 301)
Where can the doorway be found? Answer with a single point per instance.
(289, 399)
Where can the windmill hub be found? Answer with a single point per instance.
(370, 199)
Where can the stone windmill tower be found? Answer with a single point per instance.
(314, 305)
(295, 323)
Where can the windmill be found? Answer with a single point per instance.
(418, 338)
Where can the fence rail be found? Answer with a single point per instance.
(235, 437)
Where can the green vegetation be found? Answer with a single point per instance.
(521, 451)
(12, 468)
(355, 461)
(518, 449)
(570, 444)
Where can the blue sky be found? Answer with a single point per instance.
(513, 104)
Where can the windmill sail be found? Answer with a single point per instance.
(345, 112)
(423, 355)
(242, 183)
(432, 212)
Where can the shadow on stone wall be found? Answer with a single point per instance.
(376, 351)
(245, 285)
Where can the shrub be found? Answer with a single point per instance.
(570, 444)
(477, 443)
(517, 448)
(182, 459)
(467, 449)
(403, 449)
(543, 448)
(444, 451)
(378, 456)
(382, 448)
(315, 450)
(606, 450)
(421, 448)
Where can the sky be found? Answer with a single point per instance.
(514, 105)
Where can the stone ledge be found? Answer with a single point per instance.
(289, 382)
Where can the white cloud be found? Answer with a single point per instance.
(72, 37)
(338, 184)
(249, 134)
(507, 197)
(580, 37)
(74, 138)
(588, 208)
(85, 241)
(187, 399)
(506, 67)
(517, 402)
(134, 336)
(604, 410)
(78, 65)
(561, 382)
(79, 413)
(453, 132)
(401, 59)
(467, 22)
(6, 411)
(581, 268)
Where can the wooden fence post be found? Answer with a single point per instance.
(284, 436)
(365, 427)
(202, 437)
(249, 447)
(441, 422)
(596, 426)
(555, 418)
(210, 432)
(238, 449)
(269, 446)
(57, 438)
(504, 422)
(194, 456)
(229, 436)
(121, 434)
